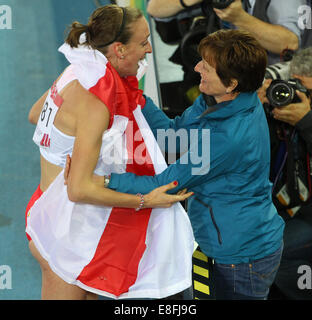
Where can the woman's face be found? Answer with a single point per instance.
(136, 49)
(210, 83)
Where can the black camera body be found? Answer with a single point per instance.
(221, 4)
(200, 27)
(281, 92)
(278, 70)
(208, 5)
(218, 4)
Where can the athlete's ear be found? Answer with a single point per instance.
(119, 49)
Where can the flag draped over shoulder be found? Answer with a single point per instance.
(115, 252)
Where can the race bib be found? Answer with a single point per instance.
(46, 119)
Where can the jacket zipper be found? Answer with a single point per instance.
(212, 218)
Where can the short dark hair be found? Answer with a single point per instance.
(235, 54)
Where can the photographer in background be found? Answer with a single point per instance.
(291, 158)
(164, 8)
(274, 23)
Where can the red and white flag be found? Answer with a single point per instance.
(114, 252)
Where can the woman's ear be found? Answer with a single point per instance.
(232, 86)
(119, 50)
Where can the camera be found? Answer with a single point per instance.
(208, 5)
(200, 27)
(218, 4)
(221, 4)
(281, 92)
(278, 71)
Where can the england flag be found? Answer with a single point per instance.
(114, 252)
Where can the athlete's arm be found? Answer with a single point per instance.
(92, 120)
(35, 110)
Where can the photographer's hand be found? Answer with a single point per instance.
(293, 112)
(233, 13)
(262, 91)
(168, 8)
(272, 37)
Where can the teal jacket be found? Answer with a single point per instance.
(232, 214)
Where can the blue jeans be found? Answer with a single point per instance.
(246, 281)
(297, 251)
(187, 294)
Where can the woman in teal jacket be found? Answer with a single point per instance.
(232, 214)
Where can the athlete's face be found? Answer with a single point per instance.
(136, 49)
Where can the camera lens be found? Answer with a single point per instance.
(280, 93)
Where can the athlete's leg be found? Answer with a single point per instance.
(53, 287)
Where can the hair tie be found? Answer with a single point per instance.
(89, 34)
(120, 30)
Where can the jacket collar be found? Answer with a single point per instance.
(243, 102)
